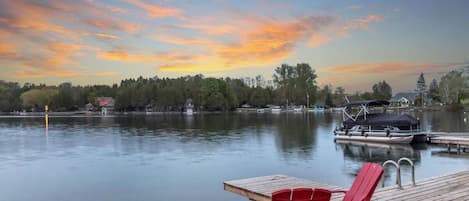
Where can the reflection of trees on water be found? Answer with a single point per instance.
(444, 121)
(171, 134)
(296, 134)
(126, 135)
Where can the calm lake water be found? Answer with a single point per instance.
(176, 157)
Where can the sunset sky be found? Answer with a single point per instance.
(349, 43)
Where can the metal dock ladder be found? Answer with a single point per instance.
(398, 172)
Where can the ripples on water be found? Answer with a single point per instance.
(176, 157)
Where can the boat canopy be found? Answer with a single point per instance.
(383, 119)
(368, 103)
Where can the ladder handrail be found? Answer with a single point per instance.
(411, 164)
(398, 173)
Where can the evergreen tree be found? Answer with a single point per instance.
(421, 88)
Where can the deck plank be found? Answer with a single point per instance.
(261, 188)
(448, 187)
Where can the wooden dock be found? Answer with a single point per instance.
(261, 188)
(450, 187)
(460, 141)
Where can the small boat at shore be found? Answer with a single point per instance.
(298, 109)
(276, 110)
(371, 123)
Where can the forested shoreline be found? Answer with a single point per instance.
(292, 85)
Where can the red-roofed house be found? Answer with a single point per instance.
(106, 104)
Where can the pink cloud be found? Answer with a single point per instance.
(156, 11)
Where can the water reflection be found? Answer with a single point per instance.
(375, 152)
(154, 156)
(444, 121)
(296, 134)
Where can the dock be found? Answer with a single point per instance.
(460, 141)
(449, 187)
(261, 188)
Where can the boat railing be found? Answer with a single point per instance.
(384, 131)
(397, 165)
(393, 131)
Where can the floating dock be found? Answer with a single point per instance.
(450, 187)
(460, 141)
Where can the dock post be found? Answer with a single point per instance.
(449, 147)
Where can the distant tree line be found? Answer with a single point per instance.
(451, 89)
(292, 85)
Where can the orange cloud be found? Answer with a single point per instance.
(107, 24)
(28, 16)
(362, 23)
(46, 16)
(271, 41)
(26, 74)
(387, 67)
(115, 9)
(192, 67)
(7, 48)
(183, 40)
(124, 56)
(318, 39)
(265, 42)
(49, 61)
(155, 11)
(106, 36)
(120, 55)
(210, 29)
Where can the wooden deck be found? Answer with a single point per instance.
(261, 188)
(460, 143)
(450, 187)
(453, 134)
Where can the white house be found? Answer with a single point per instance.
(404, 100)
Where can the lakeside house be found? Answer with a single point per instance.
(149, 108)
(89, 107)
(106, 104)
(404, 100)
(188, 106)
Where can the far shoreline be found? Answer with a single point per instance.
(238, 110)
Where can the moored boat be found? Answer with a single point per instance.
(371, 123)
(276, 110)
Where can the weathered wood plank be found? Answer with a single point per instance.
(261, 188)
(450, 140)
(256, 179)
(422, 190)
(427, 181)
(454, 186)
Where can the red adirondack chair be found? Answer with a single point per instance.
(301, 194)
(362, 188)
